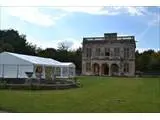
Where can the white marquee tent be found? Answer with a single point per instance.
(67, 69)
(14, 65)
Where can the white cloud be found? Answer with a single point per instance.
(137, 10)
(70, 42)
(75, 43)
(42, 43)
(85, 8)
(33, 15)
(90, 10)
(101, 10)
(80, 3)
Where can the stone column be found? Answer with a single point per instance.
(92, 69)
(121, 68)
(84, 68)
(100, 67)
(109, 65)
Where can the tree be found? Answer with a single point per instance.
(148, 61)
(63, 46)
(48, 53)
(7, 47)
(12, 41)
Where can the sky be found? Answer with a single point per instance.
(46, 26)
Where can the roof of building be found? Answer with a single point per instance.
(67, 64)
(110, 37)
(35, 59)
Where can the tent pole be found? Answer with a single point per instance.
(3, 71)
(61, 71)
(17, 70)
(44, 72)
(52, 73)
(68, 72)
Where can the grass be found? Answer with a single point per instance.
(98, 94)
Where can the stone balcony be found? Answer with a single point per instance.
(116, 58)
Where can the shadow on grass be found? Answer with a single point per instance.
(6, 110)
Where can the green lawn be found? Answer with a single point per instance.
(98, 94)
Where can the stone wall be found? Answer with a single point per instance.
(111, 59)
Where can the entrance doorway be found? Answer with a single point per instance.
(96, 69)
(105, 69)
(114, 70)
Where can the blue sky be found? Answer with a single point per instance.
(47, 26)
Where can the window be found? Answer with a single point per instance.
(98, 50)
(88, 66)
(102, 52)
(116, 52)
(107, 52)
(132, 53)
(88, 52)
(126, 52)
(126, 67)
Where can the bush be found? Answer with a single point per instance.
(2, 84)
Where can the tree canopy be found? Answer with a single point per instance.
(12, 41)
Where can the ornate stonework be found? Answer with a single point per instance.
(109, 55)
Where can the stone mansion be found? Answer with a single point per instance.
(110, 55)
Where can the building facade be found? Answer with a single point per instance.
(110, 55)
